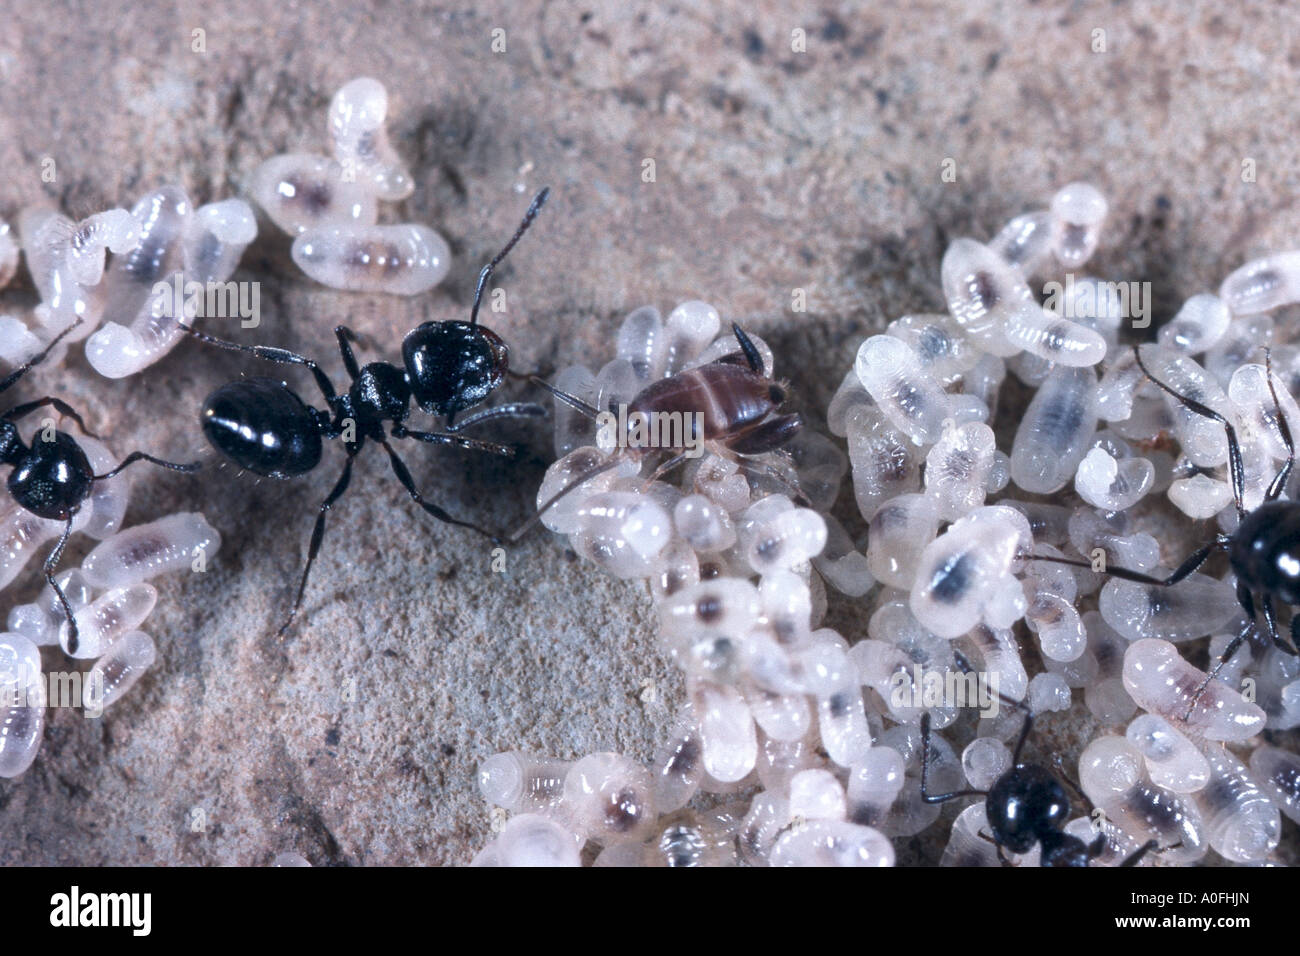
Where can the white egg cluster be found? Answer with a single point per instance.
(813, 744)
(330, 205)
(165, 255)
(111, 597)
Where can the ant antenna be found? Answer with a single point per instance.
(533, 209)
(573, 401)
(1236, 467)
(38, 358)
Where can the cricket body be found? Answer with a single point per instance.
(731, 399)
(732, 404)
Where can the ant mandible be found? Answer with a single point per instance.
(448, 366)
(1264, 550)
(1027, 806)
(52, 477)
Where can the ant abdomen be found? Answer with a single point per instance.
(453, 365)
(263, 427)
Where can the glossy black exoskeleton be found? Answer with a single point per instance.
(52, 477)
(448, 367)
(1027, 806)
(1263, 551)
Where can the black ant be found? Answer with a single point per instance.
(1263, 551)
(1027, 806)
(52, 477)
(447, 367)
(736, 404)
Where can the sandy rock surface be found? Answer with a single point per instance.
(356, 740)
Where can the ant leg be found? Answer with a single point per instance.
(1059, 762)
(747, 346)
(51, 564)
(966, 668)
(1270, 621)
(1233, 645)
(1235, 465)
(317, 535)
(62, 407)
(511, 410)
(1097, 847)
(1024, 736)
(404, 476)
(442, 438)
(534, 208)
(36, 359)
(346, 337)
(925, 771)
(1135, 857)
(270, 354)
(1197, 558)
(135, 456)
(1278, 484)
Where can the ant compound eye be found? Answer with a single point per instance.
(453, 365)
(776, 394)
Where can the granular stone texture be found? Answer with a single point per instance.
(693, 153)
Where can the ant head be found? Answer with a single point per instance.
(1025, 804)
(52, 478)
(11, 443)
(452, 366)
